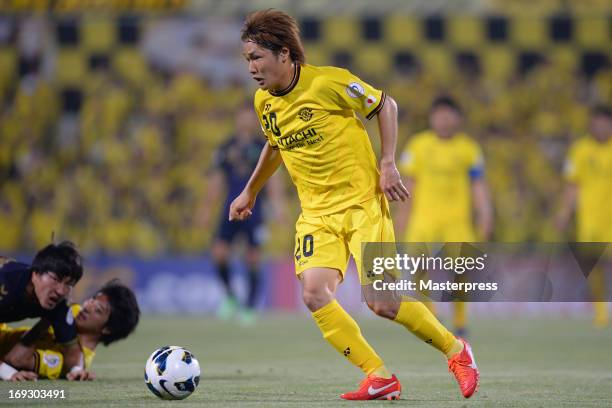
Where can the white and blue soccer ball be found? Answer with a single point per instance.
(172, 373)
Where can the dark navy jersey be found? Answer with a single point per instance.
(237, 160)
(15, 304)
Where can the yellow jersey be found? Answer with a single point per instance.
(589, 166)
(322, 142)
(9, 336)
(443, 170)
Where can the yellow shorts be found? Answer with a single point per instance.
(594, 233)
(327, 241)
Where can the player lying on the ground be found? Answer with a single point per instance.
(110, 315)
(40, 290)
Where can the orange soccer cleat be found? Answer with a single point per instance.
(376, 388)
(463, 366)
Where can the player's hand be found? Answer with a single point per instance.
(391, 182)
(241, 207)
(24, 376)
(81, 375)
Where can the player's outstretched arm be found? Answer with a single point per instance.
(18, 364)
(390, 180)
(10, 373)
(21, 355)
(269, 160)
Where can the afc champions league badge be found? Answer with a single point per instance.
(355, 90)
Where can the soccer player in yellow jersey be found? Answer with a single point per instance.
(445, 170)
(308, 115)
(112, 314)
(588, 171)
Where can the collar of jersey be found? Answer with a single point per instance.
(294, 81)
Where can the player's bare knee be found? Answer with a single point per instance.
(387, 310)
(315, 299)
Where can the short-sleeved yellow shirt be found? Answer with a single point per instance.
(322, 142)
(589, 166)
(442, 170)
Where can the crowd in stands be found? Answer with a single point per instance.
(127, 172)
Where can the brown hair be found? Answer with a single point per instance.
(273, 29)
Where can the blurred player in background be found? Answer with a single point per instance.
(40, 290)
(588, 171)
(308, 116)
(233, 164)
(444, 168)
(110, 315)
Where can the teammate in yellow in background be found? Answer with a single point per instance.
(308, 115)
(444, 168)
(588, 171)
(111, 315)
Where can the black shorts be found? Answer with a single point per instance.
(252, 229)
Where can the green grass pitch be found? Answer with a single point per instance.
(284, 362)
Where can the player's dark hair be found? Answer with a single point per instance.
(273, 29)
(602, 110)
(63, 259)
(124, 314)
(446, 101)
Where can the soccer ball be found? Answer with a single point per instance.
(172, 373)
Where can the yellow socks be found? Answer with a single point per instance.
(459, 315)
(597, 284)
(342, 332)
(382, 372)
(415, 316)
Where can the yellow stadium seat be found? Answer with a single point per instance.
(527, 7)
(373, 60)
(402, 31)
(498, 62)
(130, 64)
(317, 54)
(466, 31)
(98, 34)
(564, 57)
(593, 31)
(437, 61)
(340, 32)
(529, 32)
(8, 65)
(71, 67)
(593, 7)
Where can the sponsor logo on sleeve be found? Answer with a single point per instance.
(355, 90)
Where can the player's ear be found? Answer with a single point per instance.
(284, 54)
